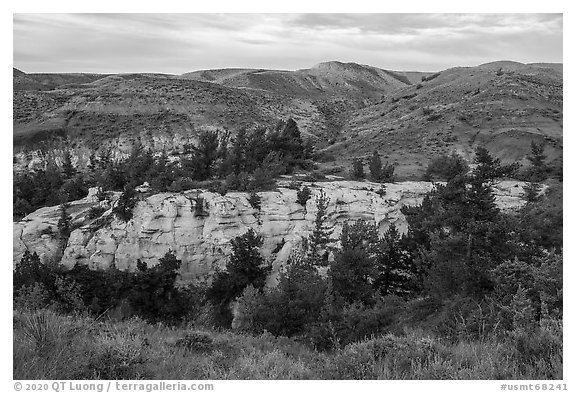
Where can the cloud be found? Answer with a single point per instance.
(177, 43)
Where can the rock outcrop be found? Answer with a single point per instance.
(171, 222)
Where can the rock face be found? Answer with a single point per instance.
(170, 222)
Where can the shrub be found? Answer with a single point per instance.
(120, 355)
(261, 180)
(43, 329)
(95, 212)
(126, 204)
(303, 195)
(196, 342)
(294, 185)
(430, 77)
(245, 267)
(387, 173)
(434, 117)
(446, 167)
(246, 310)
(532, 192)
(32, 297)
(255, 200)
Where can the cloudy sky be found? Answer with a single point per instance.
(178, 43)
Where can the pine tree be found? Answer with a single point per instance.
(354, 269)
(238, 154)
(205, 155)
(245, 267)
(64, 223)
(68, 169)
(537, 171)
(105, 159)
(303, 195)
(532, 192)
(126, 203)
(255, 200)
(357, 169)
(375, 165)
(319, 239)
(393, 264)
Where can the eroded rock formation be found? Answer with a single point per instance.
(170, 221)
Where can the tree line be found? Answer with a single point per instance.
(249, 161)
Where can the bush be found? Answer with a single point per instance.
(532, 192)
(126, 204)
(434, 117)
(246, 310)
(120, 355)
(303, 195)
(430, 77)
(196, 342)
(32, 297)
(246, 266)
(446, 167)
(255, 201)
(294, 185)
(95, 212)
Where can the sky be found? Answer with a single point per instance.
(178, 43)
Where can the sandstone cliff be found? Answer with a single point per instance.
(167, 221)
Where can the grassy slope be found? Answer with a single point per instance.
(461, 107)
(51, 346)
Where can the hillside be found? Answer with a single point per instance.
(162, 112)
(346, 109)
(324, 79)
(43, 81)
(458, 108)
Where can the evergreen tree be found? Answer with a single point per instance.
(461, 233)
(238, 159)
(64, 223)
(225, 166)
(245, 267)
(68, 169)
(303, 195)
(375, 165)
(353, 271)
(105, 158)
(204, 155)
(387, 173)
(532, 192)
(92, 163)
(538, 169)
(357, 169)
(319, 239)
(30, 270)
(125, 205)
(255, 200)
(393, 265)
(295, 303)
(446, 167)
(261, 180)
(488, 169)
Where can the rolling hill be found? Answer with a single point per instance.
(500, 105)
(347, 109)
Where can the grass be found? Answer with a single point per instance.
(52, 346)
